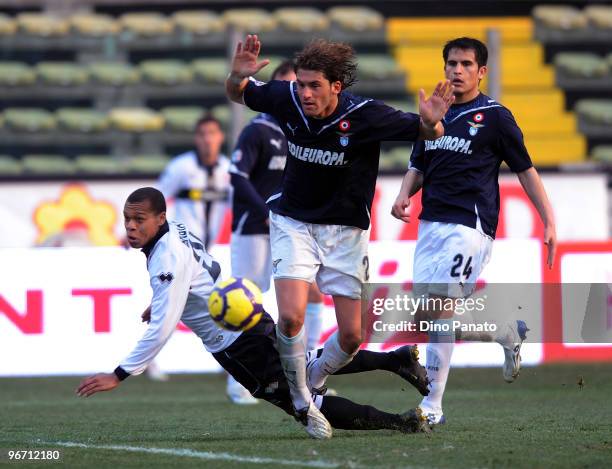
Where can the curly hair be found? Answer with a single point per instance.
(336, 60)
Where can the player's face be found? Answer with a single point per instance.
(141, 223)
(318, 96)
(208, 140)
(463, 72)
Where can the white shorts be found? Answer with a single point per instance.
(449, 258)
(251, 258)
(336, 256)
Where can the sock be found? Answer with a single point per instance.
(331, 360)
(348, 415)
(467, 318)
(366, 360)
(313, 322)
(439, 352)
(293, 359)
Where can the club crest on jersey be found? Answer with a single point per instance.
(344, 125)
(344, 140)
(474, 127)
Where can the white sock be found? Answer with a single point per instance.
(331, 360)
(293, 359)
(313, 322)
(439, 352)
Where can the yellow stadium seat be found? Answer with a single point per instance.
(552, 151)
(39, 24)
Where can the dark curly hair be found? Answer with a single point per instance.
(336, 60)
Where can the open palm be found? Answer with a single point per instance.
(434, 108)
(244, 63)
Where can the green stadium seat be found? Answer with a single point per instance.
(146, 24)
(10, 166)
(304, 20)
(223, 114)
(61, 73)
(199, 22)
(114, 73)
(264, 73)
(356, 19)
(599, 15)
(166, 72)
(40, 24)
(596, 111)
(94, 25)
(560, 17)
(82, 119)
(378, 67)
(182, 118)
(29, 119)
(48, 164)
(212, 71)
(580, 64)
(147, 164)
(16, 74)
(603, 154)
(250, 20)
(136, 119)
(99, 164)
(8, 26)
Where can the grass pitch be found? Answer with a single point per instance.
(544, 419)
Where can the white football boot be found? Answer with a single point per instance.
(512, 341)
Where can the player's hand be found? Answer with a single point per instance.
(96, 383)
(434, 108)
(550, 239)
(244, 63)
(146, 315)
(401, 208)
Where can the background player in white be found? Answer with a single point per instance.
(258, 162)
(182, 275)
(460, 200)
(320, 220)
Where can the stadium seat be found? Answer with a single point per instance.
(166, 72)
(136, 120)
(99, 164)
(560, 17)
(182, 118)
(114, 73)
(82, 119)
(48, 164)
(146, 24)
(304, 20)
(602, 154)
(8, 26)
(356, 19)
(10, 166)
(250, 20)
(29, 119)
(198, 21)
(16, 74)
(223, 114)
(212, 71)
(40, 24)
(264, 73)
(599, 15)
(94, 25)
(595, 111)
(147, 164)
(61, 73)
(546, 151)
(378, 67)
(581, 64)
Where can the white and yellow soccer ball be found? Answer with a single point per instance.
(236, 304)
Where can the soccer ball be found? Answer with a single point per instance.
(236, 304)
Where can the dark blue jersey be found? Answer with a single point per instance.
(332, 163)
(461, 169)
(257, 168)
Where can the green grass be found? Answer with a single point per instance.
(543, 420)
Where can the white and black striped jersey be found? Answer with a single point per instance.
(182, 275)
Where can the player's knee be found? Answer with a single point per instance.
(290, 324)
(350, 341)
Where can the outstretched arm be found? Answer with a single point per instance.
(244, 64)
(531, 182)
(433, 109)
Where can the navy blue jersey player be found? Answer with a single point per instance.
(320, 219)
(458, 174)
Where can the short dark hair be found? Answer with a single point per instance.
(156, 198)
(336, 60)
(206, 119)
(468, 43)
(282, 68)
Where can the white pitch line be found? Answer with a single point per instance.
(190, 453)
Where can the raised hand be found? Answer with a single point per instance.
(434, 108)
(244, 63)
